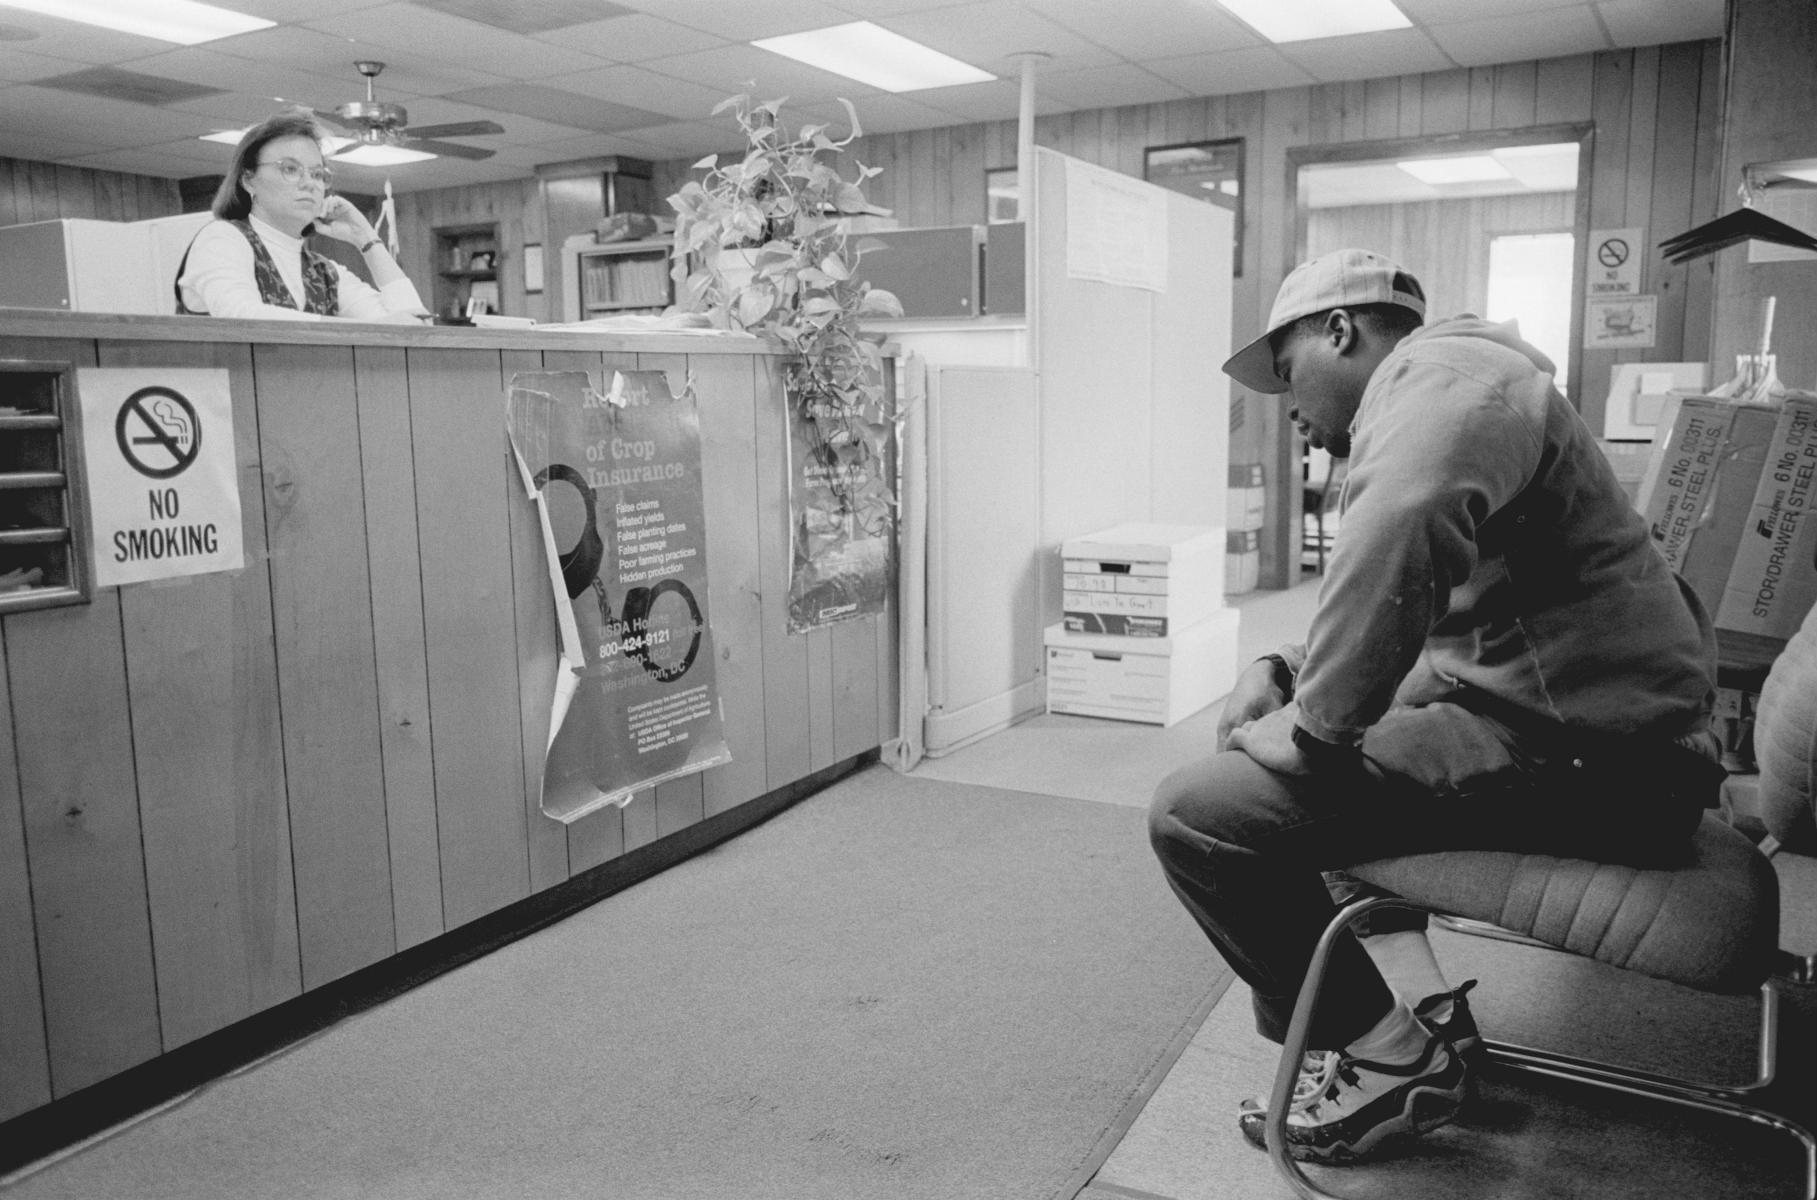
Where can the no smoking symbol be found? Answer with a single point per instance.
(158, 432)
(1612, 253)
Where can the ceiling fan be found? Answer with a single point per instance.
(373, 122)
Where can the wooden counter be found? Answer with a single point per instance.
(221, 792)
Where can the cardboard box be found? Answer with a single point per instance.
(1154, 680)
(1142, 580)
(1700, 483)
(75, 264)
(1773, 580)
(1247, 499)
(1242, 561)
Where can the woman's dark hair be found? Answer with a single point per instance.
(231, 203)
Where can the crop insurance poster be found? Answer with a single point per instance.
(616, 479)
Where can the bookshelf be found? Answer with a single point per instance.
(618, 277)
(466, 265)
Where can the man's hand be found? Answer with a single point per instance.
(1255, 695)
(1269, 740)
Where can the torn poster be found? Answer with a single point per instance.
(617, 486)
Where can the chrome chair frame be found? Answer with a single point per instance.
(1727, 1100)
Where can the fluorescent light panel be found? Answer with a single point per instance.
(1468, 168)
(872, 54)
(182, 21)
(1303, 20)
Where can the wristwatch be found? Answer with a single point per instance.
(1283, 674)
(1324, 755)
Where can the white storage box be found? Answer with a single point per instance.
(76, 264)
(1155, 680)
(1142, 580)
(1242, 561)
(1248, 499)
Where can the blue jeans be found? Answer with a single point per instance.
(1245, 848)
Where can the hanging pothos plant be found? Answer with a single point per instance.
(762, 244)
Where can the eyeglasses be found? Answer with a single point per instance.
(294, 171)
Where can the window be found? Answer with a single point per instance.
(1530, 278)
(1208, 171)
(1003, 195)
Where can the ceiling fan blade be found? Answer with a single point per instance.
(446, 149)
(457, 129)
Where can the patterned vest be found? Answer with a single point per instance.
(320, 293)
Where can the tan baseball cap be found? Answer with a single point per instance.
(1340, 279)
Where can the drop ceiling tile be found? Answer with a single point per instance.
(18, 66)
(406, 73)
(516, 17)
(1519, 38)
(1108, 87)
(732, 69)
(1654, 22)
(77, 42)
(300, 10)
(633, 38)
(438, 37)
(875, 10)
(47, 112)
(1371, 55)
(679, 139)
(127, 86)
(598, 145)
(232, 110)
(558, 107)
(1139, 29)
(992, 33)
(1231, 71)
(15, 143)
(876, 114)
(745, 20)
(199, 64)
(997, 100)
(643, 89)
(172, 161)
(1432, 12)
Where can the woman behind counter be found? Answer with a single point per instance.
(251, 261)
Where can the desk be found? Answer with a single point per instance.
(219, 793)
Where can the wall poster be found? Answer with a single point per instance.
(842, 513)
(617, 485)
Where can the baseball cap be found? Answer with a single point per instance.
(1341, 279)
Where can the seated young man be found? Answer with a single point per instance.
(1499, 659)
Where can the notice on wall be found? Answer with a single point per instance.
(1621, 322)
(617, 485)
(1615, 259)
(163, 491)
(842, 514)
(1116, 228)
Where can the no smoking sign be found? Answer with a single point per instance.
(163, 488)
(1615, 258)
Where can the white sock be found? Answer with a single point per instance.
(1397, 1039)
(1406, 961)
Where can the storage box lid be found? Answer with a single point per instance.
(1146, 543)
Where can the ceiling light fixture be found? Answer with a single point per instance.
(872, 54)
(231, 137)
(382, 156)
(1467, 168)
(185, 22)
(1303, 20)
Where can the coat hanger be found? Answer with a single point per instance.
(1745, 224)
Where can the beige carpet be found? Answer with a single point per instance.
(896, 990)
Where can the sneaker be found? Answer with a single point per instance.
(1347, 1107)
(1459, 1028)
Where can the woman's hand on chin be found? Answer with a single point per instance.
(343, 222)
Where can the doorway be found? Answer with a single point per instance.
(1489, 223)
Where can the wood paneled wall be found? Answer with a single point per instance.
(1656, 112)
(38, 191)
(514, 206)
(219, 792)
